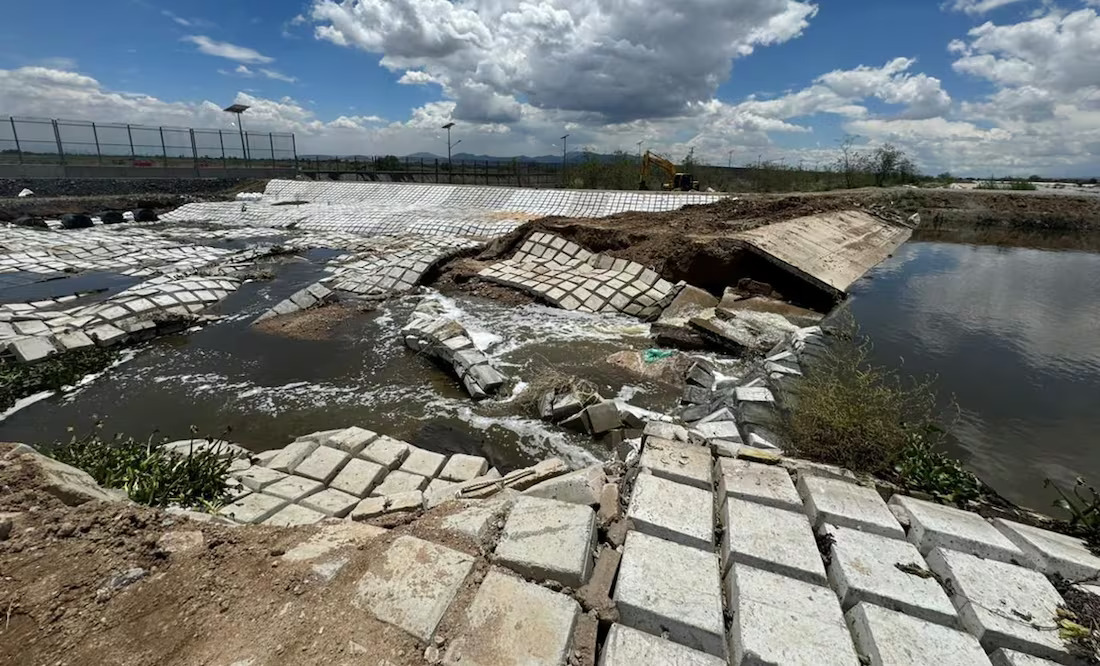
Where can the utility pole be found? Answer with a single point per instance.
(730, 164)
(564, 153)
(239, 109)
(639, 150)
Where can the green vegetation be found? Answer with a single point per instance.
(866, 418)
(1018, 184)
(1082, 503)
(149, 473)
(19, 380)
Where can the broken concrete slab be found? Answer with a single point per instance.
(1002, 605)
(829, 250)
(352, 440)
(1050, 552)
(253, 508)
(846, 504)
(744, 331)
(629, 647)
(792, 313)
(603, 416)
(331, 537)
(397, 482)
(688, 302)
(514, 623)
(257, 477)
(781, 620)
(479, 517)
(412, 583)
(885, 572)
(665, 430)
(463, 467)
(372, 507)
(673, 511)
(934, 525)
(331, 502)
(681, 462)
(580, 487)
(291, 455)
(885, 638)
(548, 539)
(294, 515)
(67, 483)
(771, 539)
(769, 485)
(668, 588)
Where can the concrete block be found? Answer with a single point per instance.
(1005, 657)
(580, 487)
(665, 431)
(781, 620)
(351, 440)
(672, 511)
(847, 505)
(865, 567)
(1002, 605)
(934, 525)
(30, 350)
(667, 587)
(252, 509)
(888, 638)
(681, 462)
(290, 455)
(725, 430)
(106, 335)
(358, 477)
(331, 502)
(1050, 552)
(411, 585)
(603, 416)
(478, 517)
(73, 340)
(257, 477)
(514, 623)
(294, 488)
(294, 515)
(769, 485)
(323, 464)
(386, 451)
(771, 539)
(372, 507)
(424, 463)
(462, 467)
(331, 537)
(548, 539)
(397, 482)
(629, 647)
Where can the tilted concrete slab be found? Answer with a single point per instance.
(673, 511)
(829, 250)
(549, 539)
(1050, 552)
(411, 585)
(846, 504)
(514, 623)
(629, 647)
(771, 539)
(934, 525)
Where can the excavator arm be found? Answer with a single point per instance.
(676, 181)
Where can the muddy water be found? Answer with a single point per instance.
(1014, 334)
(269, 388)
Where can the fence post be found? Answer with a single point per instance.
(294, 148)
(271, 142)
(163, 147)
(57, 137)
(194, 152)
(221, 142)
(130, 133)
(98, 154)
(15, 135)
(437, 171)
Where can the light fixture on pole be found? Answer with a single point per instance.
(564, 152)
(240, 109)
(639, 144)
(730, 160)
(450, 172)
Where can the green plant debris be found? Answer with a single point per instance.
(19, 380)
(920, 467)
(149, 473)
(1082, 503)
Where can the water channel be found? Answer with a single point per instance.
(1013, 333)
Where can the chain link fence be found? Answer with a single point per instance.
(83, 143)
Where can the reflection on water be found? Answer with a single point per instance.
(1012, 333)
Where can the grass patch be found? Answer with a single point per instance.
(148, 472)
(852, 413)
(549, 379)
(19, 380)
(1012, 184)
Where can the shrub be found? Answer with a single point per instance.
(19, 380)
(851, 413)
(149, 473)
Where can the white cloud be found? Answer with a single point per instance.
(979, 6)
(227, 50)
(618, 61)
(415, 77)
(277, 75)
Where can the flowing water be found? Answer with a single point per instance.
(270, 388)
(1014, 334)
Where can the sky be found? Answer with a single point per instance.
(974, 87)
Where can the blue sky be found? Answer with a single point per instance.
(975, 86)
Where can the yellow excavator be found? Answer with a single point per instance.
(676, 180)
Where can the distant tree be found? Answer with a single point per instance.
(887, 162)
(387, 163)
(946, 175)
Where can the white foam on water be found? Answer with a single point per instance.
(25, 402)
(535, 438)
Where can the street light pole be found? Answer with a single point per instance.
(730, 165)
(239, 109)
(640, 150)
(450, 171)
(564, 152)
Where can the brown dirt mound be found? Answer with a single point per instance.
(313, 324)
